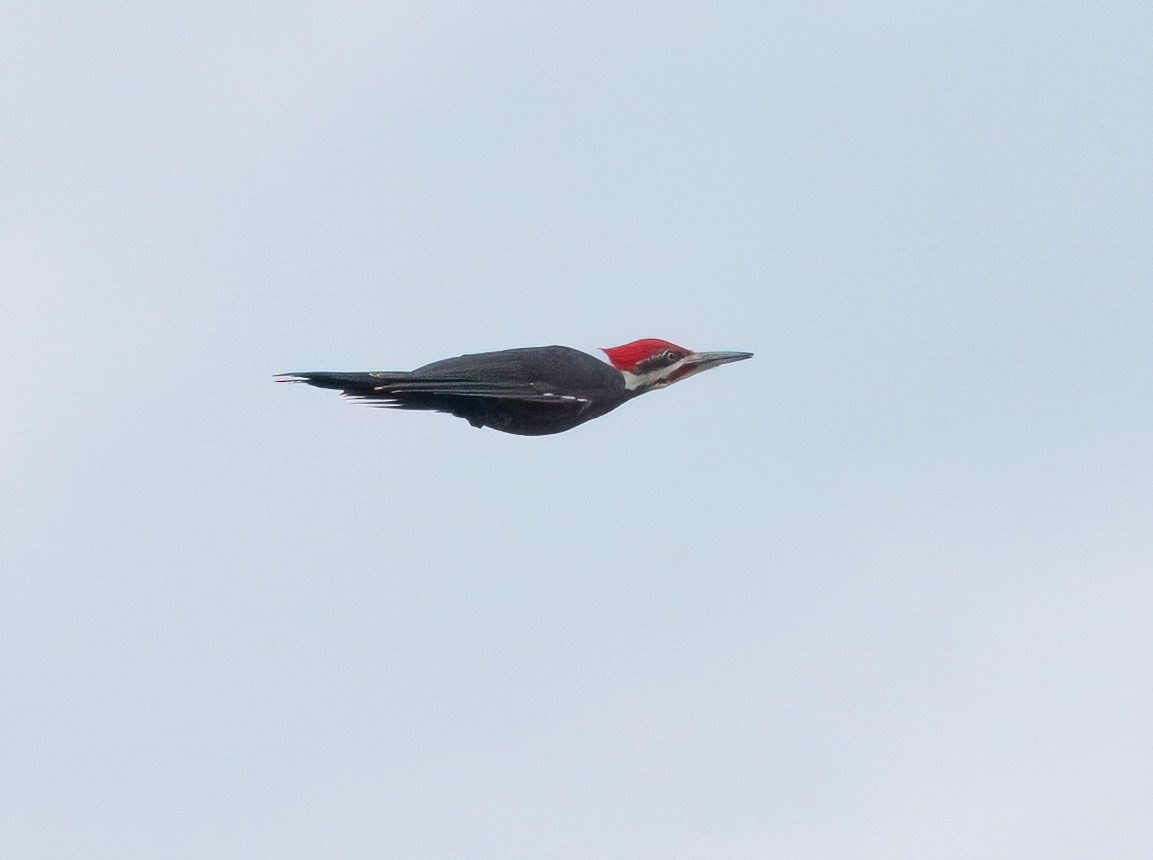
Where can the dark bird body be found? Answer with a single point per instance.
(533, 391)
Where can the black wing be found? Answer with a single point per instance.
(559, 369)
(530, 391)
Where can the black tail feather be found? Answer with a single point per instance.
(353, 384)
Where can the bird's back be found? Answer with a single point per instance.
(561, 368)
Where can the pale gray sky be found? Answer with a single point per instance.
(883, 591)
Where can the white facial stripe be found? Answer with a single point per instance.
(632, 381)
(652, 379)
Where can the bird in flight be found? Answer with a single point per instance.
(533, 391)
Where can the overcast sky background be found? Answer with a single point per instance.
(883, 591)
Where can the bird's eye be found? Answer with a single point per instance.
(671, 356)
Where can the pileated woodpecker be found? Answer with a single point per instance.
(531, 392)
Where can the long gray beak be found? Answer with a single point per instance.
(695, 362)
(699, 361)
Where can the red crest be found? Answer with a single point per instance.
(627, 357)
